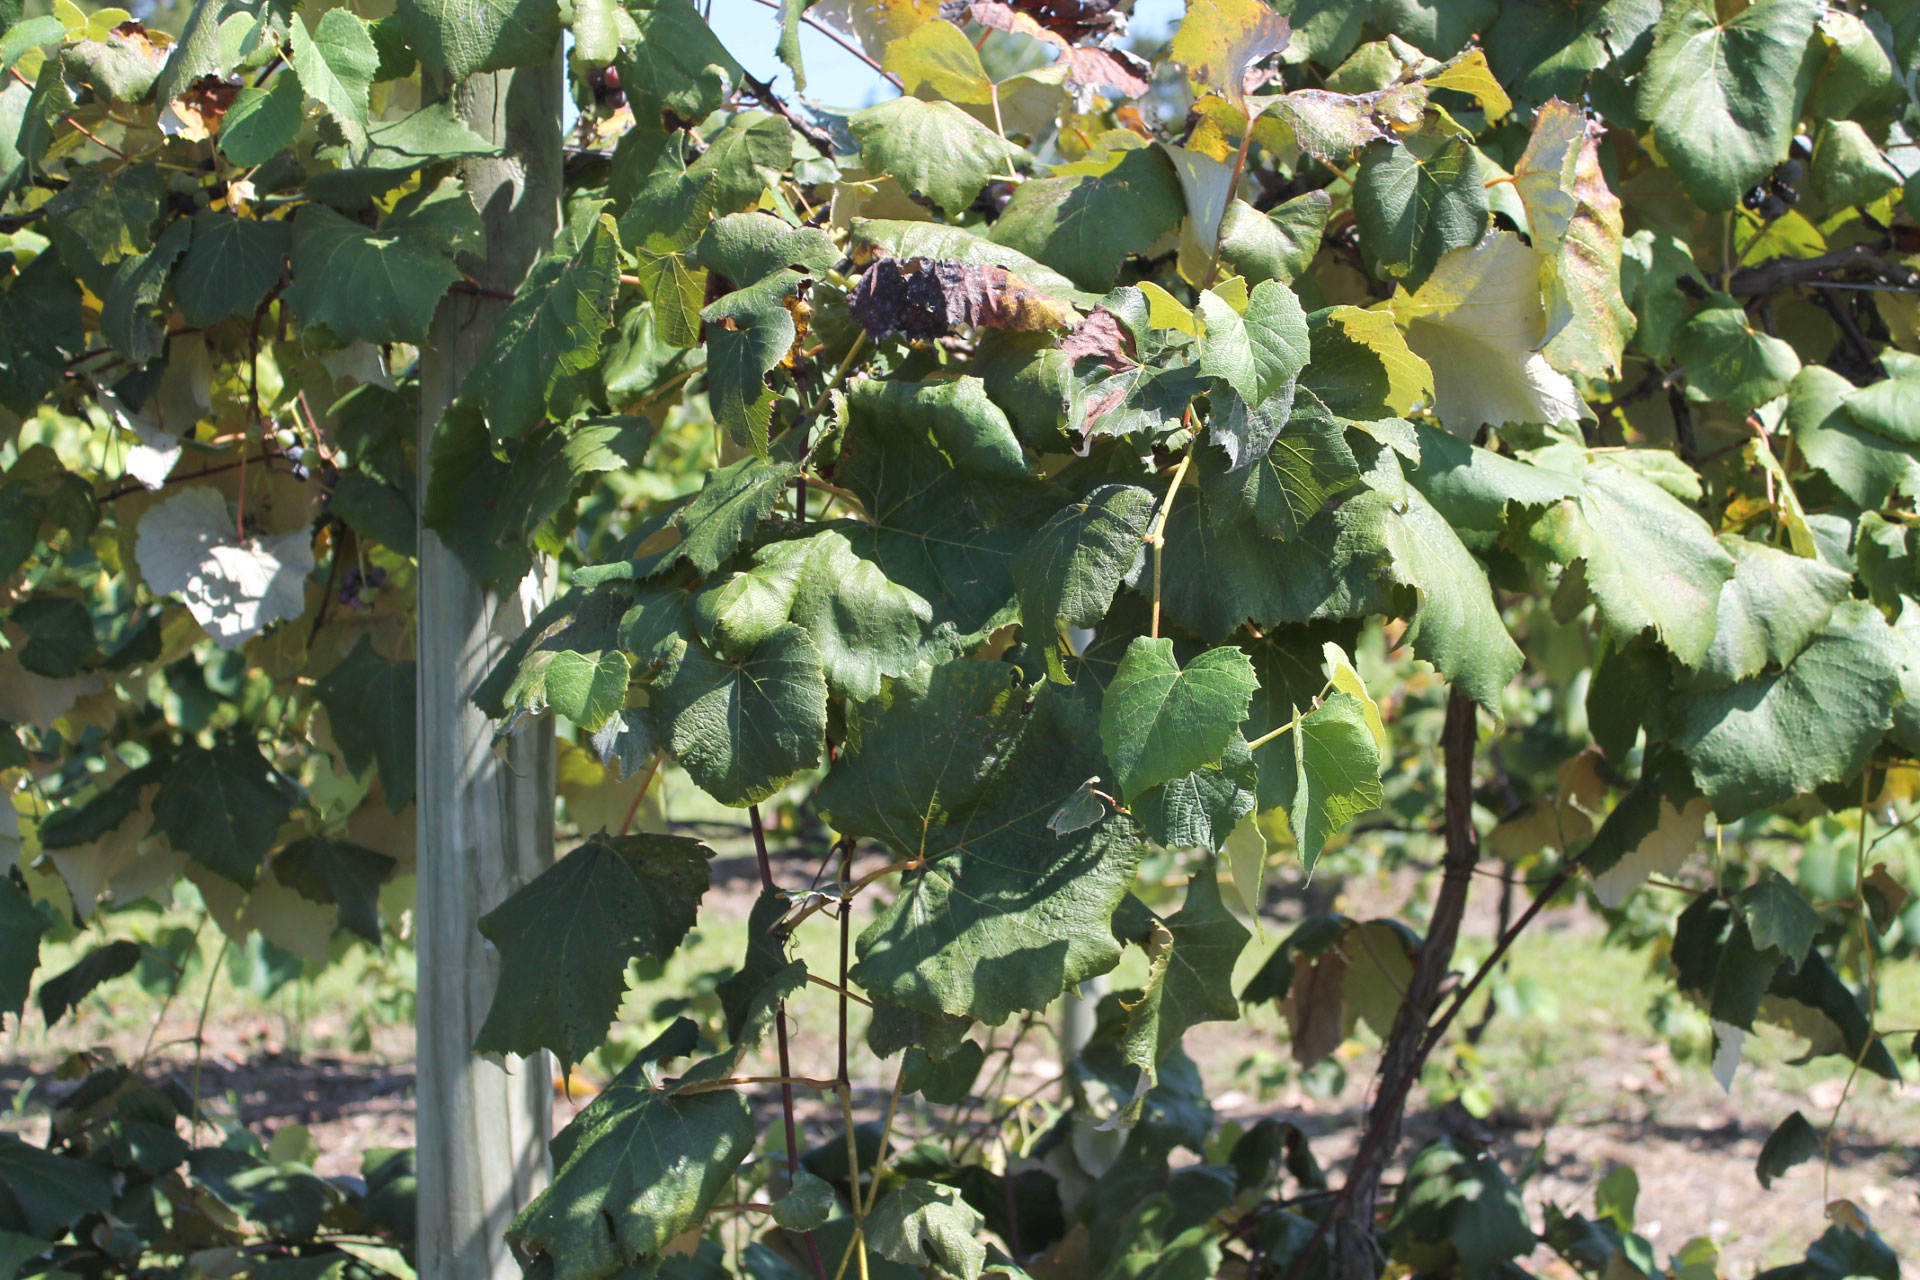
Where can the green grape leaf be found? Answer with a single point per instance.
(921, 1224)
(1848, 168)
(1190, 957)
(372, 285)
(1793, 1141)
(749, 333)
(1724, 98)
(264, 122)
(1159, 722)
(1000, 914)
(1230, 571)
(807, 1203)
(746, 247)
(47, 1193)
(1886, 408)
(1258, 352)
(229, 267)
(348, 875)
(1771, 607)
(1461, 1202)
(1542, 49)
(1086, 222)
(222, 807)
(1067, 574)
(733, 501)
(132, 317)
(489, 512)
(589, 688)
(40, 323)
(1766, 740)
(673, 201)
(336, 65)
(1417, 199)
(544, 353)
(1778, 916)
(1280, 475)
(1336, 773)
(1645, 559)
(636, 1168)
(1362, 366)
(460, 38)
(369, 703)
(675, 72)
(1278, 245)
(1863, 464)
(59, 635)
(64, 991)
(1458, 627)
(1727, 359)
(21, 926)
(933, 149)
(741, 729)
(1200, 810)
(867, 628)
(565, 939)
(940, 472)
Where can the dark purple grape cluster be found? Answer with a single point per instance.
(605, 83)
(1771, 199)
(356, 582)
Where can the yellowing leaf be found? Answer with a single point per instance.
(1469, 73)
(1342, 676)
(1574, 221)
(1219, 40)
(877, 23)
(599, 799)
(1479, 322)
(1409, 378)
(1164, 311)
(935, 61)
(1247, 864)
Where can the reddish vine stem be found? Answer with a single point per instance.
(646, 785)
(780, 1039)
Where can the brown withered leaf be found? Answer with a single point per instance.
(197, 113)
(1885, 897)
(1100, 337)
(923, 299)
(1315, 1006)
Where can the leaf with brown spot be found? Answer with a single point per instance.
(1100, 337)
(923, 299)
(197, 113)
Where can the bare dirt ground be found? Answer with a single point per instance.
(1577, 1093)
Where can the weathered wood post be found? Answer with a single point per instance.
(485, 816)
